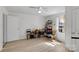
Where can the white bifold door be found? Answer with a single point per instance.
(12, 28)
(75, 27)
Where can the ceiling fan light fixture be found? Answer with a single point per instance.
(39, 11)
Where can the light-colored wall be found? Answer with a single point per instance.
(2, 11)
(30, 22)
(12, 28)
(68, 28)
(27, 21)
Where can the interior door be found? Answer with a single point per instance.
(75, 27)
(12, 28)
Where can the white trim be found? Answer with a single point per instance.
(1, 48)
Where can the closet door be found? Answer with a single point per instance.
(12, 28)
(75, 23)
(75, 27)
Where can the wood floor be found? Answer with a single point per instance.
(34, 45)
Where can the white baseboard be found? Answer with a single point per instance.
(72, 48)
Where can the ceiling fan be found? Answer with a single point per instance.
(39, 9)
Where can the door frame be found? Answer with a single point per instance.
(4, 29)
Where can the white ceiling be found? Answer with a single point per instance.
(47, 10)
